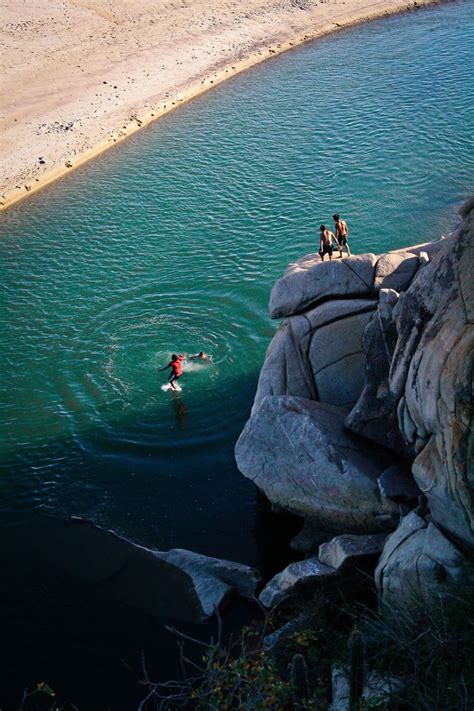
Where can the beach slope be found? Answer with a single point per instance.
(81, 75)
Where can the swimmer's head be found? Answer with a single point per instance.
(322, 227)
(201, 353)
(335, 217)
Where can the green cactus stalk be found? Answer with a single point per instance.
(356, 667)
(299, 678)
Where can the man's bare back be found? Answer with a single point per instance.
(342, 234)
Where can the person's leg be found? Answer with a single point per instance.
(321, 254)
(172, 380)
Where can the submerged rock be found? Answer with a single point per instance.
(174, 584)
(300, 455)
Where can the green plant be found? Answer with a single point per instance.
(299, 678)
(429, 647)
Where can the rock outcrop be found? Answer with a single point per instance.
(299, 454)
(352, 454)
(431, 377)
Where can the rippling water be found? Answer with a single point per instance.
(171, 242)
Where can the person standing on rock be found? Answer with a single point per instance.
(326, 241)
(342, 234)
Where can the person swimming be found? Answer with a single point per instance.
(176, 370)
(201, 356)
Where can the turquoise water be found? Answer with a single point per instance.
(171, 242)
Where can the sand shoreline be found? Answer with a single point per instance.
(40, 145)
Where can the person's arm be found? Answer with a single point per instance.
(165, 368)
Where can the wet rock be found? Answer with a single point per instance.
(300, 455)
(310, 280)
(298, 580)
(350, 551)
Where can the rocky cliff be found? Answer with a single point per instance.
(362, 420)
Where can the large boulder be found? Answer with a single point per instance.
(318, 355)
(310, 281)
(299, 454)
(417, 562)
(175, 584)
(431, 376)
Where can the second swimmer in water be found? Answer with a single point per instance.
(201, 356)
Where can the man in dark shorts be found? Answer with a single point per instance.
(326, 239)
(176, 370)
(342, 234)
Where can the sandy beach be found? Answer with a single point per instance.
(79, 76)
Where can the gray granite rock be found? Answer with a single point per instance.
(300, 455)
(318, 355)
(431, 376)
(417, 562)
(299, 579)
(350, 551)
(395, 270)
(375, 414)
(337, 359)
(207, 573)
(309, 281)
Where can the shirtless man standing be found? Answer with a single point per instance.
(342, 234)
(326, 239)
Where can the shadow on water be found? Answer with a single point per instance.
(73, 633)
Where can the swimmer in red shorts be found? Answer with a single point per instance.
(176, 369)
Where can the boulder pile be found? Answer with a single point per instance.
(362, 420)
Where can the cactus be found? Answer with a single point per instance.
(356, 667)
(299, 678)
